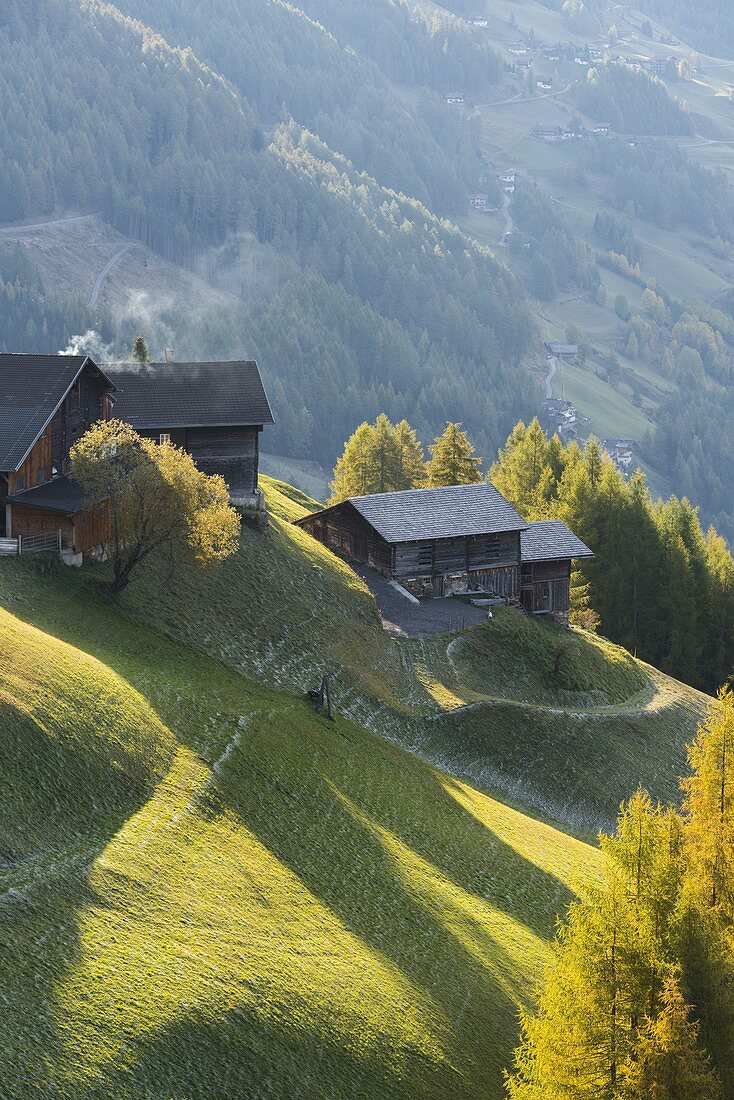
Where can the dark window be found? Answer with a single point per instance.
(425, 557)
(75, 396)
(19, 483)
(41, 476)
(85, 519)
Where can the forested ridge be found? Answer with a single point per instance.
(372, 301)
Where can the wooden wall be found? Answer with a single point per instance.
(36, 468)
(438, 556)
(346, 532)
(232, 452)
(546, 586)
(81, 532)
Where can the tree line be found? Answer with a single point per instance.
(638, 1004)
(385, 458)
(661, 586)
(630, 101)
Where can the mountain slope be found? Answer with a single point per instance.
(278, 903)
(208, 890)
(487, 706)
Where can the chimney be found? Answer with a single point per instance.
(168, 355)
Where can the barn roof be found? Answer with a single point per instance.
(551, 540)
(189, 395)
(450, 512)
(31, 389)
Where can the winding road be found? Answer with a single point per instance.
(549, 378)
(48, 224)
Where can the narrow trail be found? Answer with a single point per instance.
(517, 99)
(94, 296)
(549, 378)
(509, 223)
(49, 224)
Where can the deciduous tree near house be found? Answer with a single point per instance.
(158, 501)
(453, 461)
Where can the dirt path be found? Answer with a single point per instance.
(526, 98)
(549, 379)
(49, 224)
(509, 223)
(94, 296)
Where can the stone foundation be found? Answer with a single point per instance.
(455, 584)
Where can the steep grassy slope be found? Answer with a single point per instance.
(208, 891)
(486, 707)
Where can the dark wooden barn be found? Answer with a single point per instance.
(215, 411)
(462, 538)
(435, 542)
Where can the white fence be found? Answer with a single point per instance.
(31, 544)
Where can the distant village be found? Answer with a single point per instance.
(561, 417)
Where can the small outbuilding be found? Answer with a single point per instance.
(548, 549)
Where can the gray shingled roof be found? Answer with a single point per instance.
(31, 389)
(59, 495)
(551, 540)
(450, 512)
(189, 395)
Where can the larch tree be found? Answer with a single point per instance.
(613, 956)
(378, 458)
(412, 459)
(524, 472)
(668, 1063)
(453, 460)
(157, 500)
(353, 472)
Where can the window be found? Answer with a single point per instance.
(41, 476)
(19, 483)
(164, 437)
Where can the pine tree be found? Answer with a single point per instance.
(668, 1063)
(140, 350)
(453, 461)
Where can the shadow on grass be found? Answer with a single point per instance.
(368, 829)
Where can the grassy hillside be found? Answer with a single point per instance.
(288, 610)
(206, 890)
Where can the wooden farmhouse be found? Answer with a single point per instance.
(458, 539)
(215, 411)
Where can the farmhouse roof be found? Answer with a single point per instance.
(450, 512)
(32, 387)
(189, 395)
(59, 495)
(551, 540)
